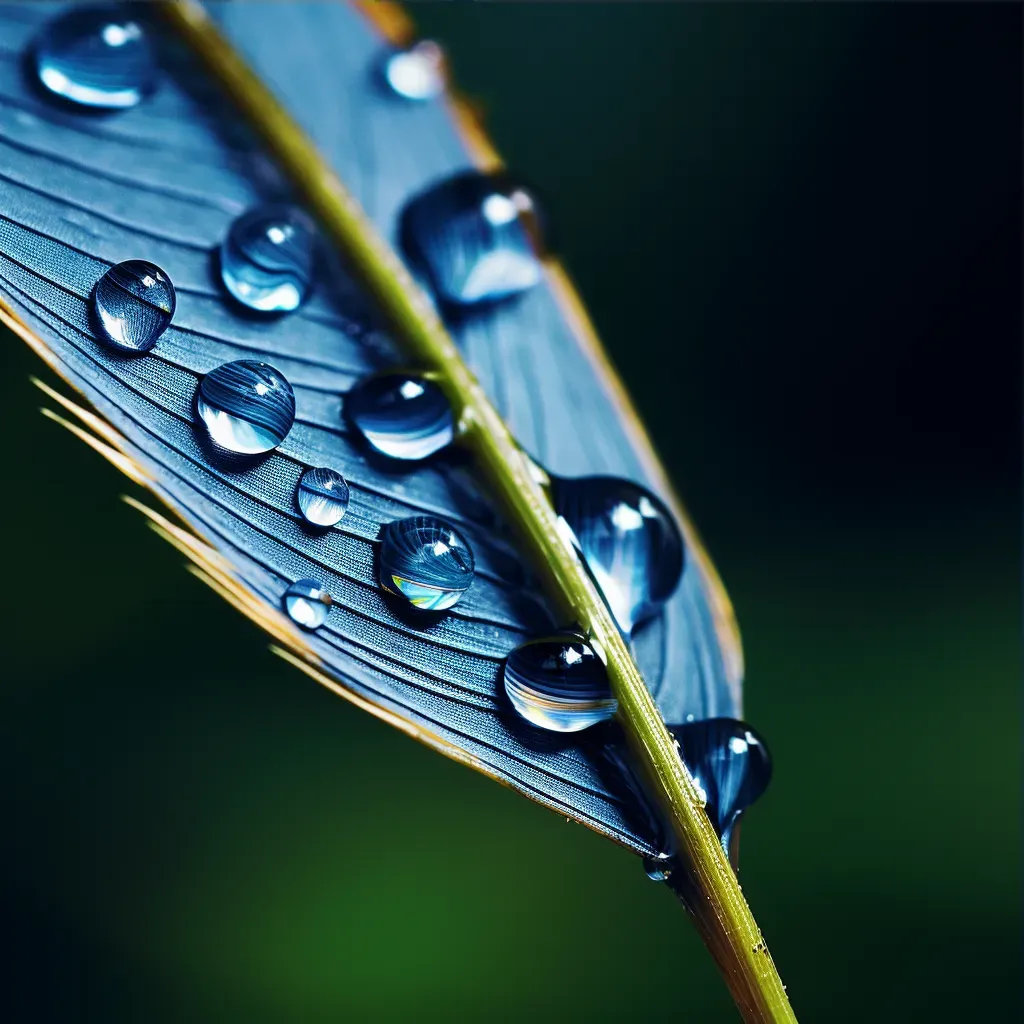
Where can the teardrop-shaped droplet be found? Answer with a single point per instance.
(629, 540)
(401, 415)
(247, 407)
(322, 496)
(134, 302)
(96, 56)
(477, 237)
(417, 73)
(658, 868)
(425, 561)
(267, 258)
(307, 603)
(730, 764)
(558, 683)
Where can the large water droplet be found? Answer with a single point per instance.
(134, 302)
(629, 540)
(401, 415)
(96, 56)
(417, 73)
(267, 258)
(477, 236)
(558, 683)
(730, 764)
(425, 561)
(322, 496)
(246, 407)
(307, 603)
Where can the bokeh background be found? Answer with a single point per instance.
(798, 230)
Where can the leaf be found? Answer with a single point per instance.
(162, 182)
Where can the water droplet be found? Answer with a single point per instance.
(267, 258)
(425, 561)
(247, 407)
(134, 302)
(730, 764)
(96, 56)
(322, 496)
(307, 603)
(417, 73)
(401, 415)
(630, 542)
(558, 683)
(658, 868)
(477, 236)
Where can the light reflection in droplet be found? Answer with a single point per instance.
(95, 56)
(557, 683)
(134, 302)
(247, 407)
(426, 562)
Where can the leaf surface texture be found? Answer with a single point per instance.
(162, 182)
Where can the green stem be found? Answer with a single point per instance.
(716, 904)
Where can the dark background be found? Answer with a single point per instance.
(798, 231)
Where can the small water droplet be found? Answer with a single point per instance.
(322, 496)
(417, 73)
(133, 302)
(247, 407)
(401, 415)
(629, 540)
(425, 561)
(658, 868)
(730, 764)
(558, 683)
(307, 603)
(97, 57)
(267, 258)
(477, 236)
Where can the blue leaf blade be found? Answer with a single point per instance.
(163, 182)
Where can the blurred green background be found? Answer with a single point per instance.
(797, 228)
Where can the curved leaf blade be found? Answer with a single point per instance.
(72, 208)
